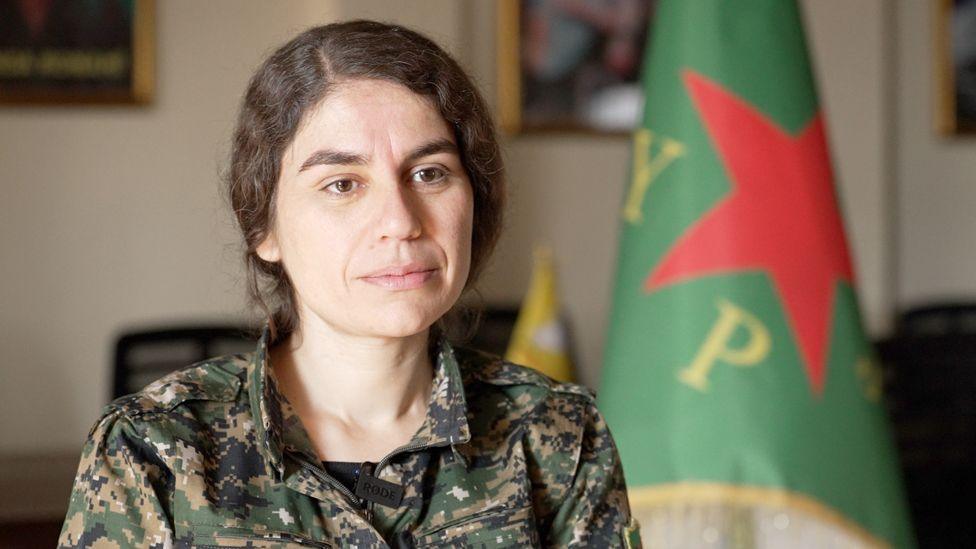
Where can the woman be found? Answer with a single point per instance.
(368, 184)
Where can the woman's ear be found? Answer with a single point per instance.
(268, 249)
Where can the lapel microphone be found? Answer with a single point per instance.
(369, 487)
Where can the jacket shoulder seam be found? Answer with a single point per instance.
(495, 370)
(180, 386)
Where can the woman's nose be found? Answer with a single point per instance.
(399, 217)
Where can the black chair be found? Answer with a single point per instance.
(493, 329)
(929, 365)
(144, 356)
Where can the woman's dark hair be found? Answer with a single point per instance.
(296, 78)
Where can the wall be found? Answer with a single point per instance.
(936, 176)
(110, 216)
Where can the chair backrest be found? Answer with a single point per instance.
(929, 368)
(939, 319)
(493, 330)
(146, 355)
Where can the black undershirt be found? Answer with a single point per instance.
(345, 472)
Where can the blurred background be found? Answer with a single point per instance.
(111, 217)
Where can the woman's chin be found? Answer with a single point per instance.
(401, 322)
(399, 330)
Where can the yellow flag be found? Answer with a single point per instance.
(539, 339)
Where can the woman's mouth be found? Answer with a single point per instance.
(405, 281)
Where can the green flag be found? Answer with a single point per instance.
(741, 389)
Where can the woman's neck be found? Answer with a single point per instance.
(362, 382)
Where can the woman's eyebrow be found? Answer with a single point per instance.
(434, 147)
(343, 158)
(328, 156)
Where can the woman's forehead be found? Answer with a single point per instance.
(369, 113)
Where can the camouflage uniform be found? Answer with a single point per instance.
(214, 456)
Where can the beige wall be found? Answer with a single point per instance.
(110, 216)
(937, 176)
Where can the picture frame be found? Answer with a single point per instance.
(571, 65)
(955, 62)
(65, 53)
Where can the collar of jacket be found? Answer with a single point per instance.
(277, 427)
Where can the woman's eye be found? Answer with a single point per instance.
(342, 186)
(429, 175)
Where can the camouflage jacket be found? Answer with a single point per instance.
(213, 455)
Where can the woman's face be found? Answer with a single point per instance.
(374, 213)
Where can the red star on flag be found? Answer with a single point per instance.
(780, 217)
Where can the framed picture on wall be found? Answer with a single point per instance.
(956, 64)
(72, 51)
(571, 65)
